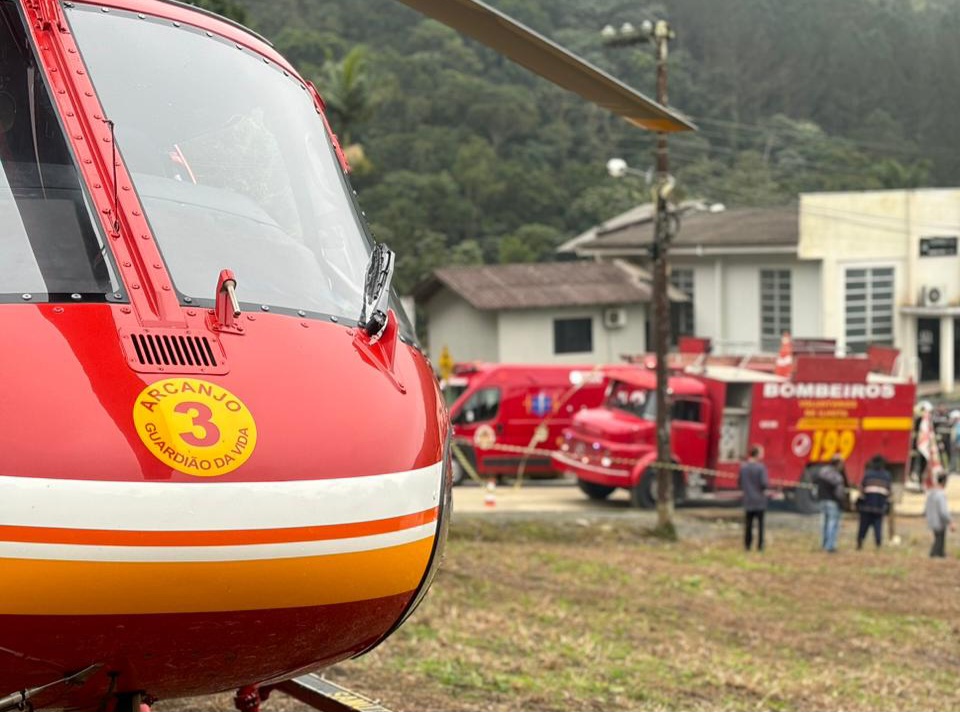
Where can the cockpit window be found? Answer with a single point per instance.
(231, 162)
(49, 247)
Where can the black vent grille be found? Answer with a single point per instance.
(173, 350)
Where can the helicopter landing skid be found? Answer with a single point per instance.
(326, 696)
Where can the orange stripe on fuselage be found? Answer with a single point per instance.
(110, 537)
(104, 588)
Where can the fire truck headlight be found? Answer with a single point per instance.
(565, 447)
(606, 461)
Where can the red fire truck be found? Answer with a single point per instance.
(827, 406)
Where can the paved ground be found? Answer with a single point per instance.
(564, 496)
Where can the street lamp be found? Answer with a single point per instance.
(658, 34)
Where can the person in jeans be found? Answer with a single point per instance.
(831, 482)
(753, 483)
(874, 498)
(937, 512)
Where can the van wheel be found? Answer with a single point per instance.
(644, 495)
(458, 473)
(803, 499)
(594, 491)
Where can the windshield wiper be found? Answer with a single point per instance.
(376, 291)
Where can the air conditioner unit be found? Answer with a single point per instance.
(615, 318)
(933, 295)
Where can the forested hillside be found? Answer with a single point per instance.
(462, 156)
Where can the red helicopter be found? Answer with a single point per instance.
(224, 459)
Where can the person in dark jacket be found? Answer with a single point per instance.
(831, 482)
(874, 499)
(753, 483)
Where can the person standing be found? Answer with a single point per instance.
(937, 512)
(831, 482)
(753, 483)
(874, 499)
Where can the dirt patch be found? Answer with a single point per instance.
(593, 614)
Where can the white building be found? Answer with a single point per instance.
(560, 312)
(739, 267)
(889, 272)
(858, 268)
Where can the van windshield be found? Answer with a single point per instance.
(482, 405)
(50, 249)
(452, 390)
(231, 162)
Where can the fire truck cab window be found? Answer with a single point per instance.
(50, 249)
(231, 161)
(482, 405)
(688, 410)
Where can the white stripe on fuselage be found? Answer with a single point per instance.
(216, 506)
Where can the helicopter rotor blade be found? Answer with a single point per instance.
(551, 61)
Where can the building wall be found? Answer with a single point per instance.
(726, 298)
(469, 334)
(526, 335)
(885, 229)
(853, 229)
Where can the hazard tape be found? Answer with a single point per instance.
(676, 467)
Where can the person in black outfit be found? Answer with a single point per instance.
(874, 499)
(753, 484)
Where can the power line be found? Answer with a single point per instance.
(768, 130)
(785, 140)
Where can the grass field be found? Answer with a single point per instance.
(547, 614)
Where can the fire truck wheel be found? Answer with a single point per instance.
(595, 491)
(644, 495)
(803, 499)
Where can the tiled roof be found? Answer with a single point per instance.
(550, 284)
(738, 227)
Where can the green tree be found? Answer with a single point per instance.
(227, 8)
(346, 90)
(531, 243)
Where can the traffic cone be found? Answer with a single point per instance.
(490, 498)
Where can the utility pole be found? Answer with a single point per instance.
(658, 33)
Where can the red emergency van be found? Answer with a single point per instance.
(827, 406)
(510, 415)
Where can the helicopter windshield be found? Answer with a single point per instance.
(50, 249)
(231, 162)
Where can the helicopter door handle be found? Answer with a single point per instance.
(227, 308)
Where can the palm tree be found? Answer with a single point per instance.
(345, 87)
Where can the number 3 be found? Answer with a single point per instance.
(201, 419)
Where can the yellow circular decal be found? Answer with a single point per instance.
(195, 426)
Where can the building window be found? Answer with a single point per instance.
(573, 336)
(868, 307)
(681, 313)
(774, 307)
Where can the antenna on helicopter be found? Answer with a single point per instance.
(20, 700)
